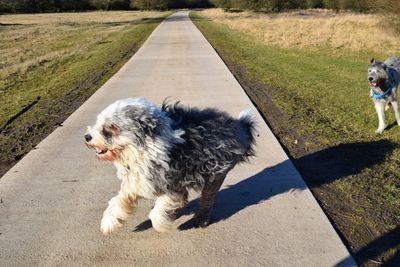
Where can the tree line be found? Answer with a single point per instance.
(392, 6)
(32, 6)
(35, 6)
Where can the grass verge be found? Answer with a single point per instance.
(316, 101)
(51, 63)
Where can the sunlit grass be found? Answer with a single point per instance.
(313, 28)
(51, 63)
(37, 48)
(322, 89)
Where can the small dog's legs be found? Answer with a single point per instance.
(164, 212)
(380, 110)
(118, 210)
(396, 111)
(210, 189)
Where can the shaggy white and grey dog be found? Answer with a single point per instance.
(384, 78)
(162, 153)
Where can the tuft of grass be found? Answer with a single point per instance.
(316, 100)
(51, 63)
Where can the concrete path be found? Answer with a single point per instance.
(53, 199)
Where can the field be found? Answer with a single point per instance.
(315, 28)
(51, 63)
(306, 72)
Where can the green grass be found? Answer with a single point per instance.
(51, 63)
(323, 94)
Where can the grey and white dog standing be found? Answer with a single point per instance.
(162, 153)
(384, 78)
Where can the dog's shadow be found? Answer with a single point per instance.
(390, 126)
(246, 193)
(143, 226)
(239, 196)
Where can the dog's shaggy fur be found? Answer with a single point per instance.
(162, 153)
(384, 78)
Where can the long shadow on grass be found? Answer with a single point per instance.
(333, 163)
(379, 246)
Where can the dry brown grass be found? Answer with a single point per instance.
(51, 63)
(313, 28)
(80, 18)
(30, 40)
(34, 46)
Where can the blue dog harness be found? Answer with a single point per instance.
(380, 96)
(387, 91)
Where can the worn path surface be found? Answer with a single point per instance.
(53, 199)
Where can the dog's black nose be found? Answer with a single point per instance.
(370, 78)
(88, 137)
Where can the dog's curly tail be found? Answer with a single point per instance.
(245, 114)
(247, 119)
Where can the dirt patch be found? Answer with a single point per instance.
(321, 166)
(36, 121)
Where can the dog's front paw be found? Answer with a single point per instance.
(380, 130)
(109, 223)
(162, 222)
(201, 220)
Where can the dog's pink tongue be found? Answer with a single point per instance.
(98, 150)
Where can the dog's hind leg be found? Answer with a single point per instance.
(210, 189)
(118, 210)
(380, 110)
(163, 214)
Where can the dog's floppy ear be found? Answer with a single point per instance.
(373, 60)
(141, 117)
(111, 130)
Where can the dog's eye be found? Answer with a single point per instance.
(107, 134)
